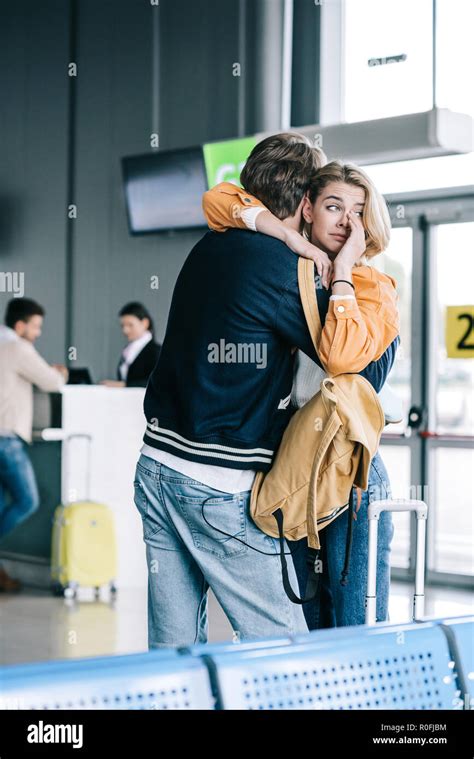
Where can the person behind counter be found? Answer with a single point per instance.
(140, 355)
(21, 367)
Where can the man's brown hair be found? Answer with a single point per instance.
(279, 171)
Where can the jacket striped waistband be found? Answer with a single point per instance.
(207, 450)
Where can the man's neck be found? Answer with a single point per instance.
(294, 222)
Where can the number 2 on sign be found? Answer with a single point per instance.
(459, 331)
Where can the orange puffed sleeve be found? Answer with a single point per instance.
(223, 205)
(359, 331)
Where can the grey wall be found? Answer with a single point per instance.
(33, 155)
(306, 55)
(114, 118)
(199, 95)
(61, 140)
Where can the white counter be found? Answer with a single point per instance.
(114, 419)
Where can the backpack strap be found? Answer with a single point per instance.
(307, 290)
(312, 563)
(306, 284)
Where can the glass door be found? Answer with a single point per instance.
(449, 437)
(397, 261)
(430, 455)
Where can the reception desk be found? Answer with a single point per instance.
(90, 453)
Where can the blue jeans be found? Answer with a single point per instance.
(337, 605)
(186, 556)
(17, 479)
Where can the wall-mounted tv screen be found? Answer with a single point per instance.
(164, 190)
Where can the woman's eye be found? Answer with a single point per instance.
(360, 213)
(333, 206)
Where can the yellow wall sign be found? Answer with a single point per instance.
(460, 331)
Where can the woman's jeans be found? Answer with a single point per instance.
(337, 605)
(188, 551)
(17, 480)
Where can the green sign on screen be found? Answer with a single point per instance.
(225, 160)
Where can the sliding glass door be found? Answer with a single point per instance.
(430, 455)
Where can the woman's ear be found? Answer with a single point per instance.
(307, 210)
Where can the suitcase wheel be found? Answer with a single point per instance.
(70, 591)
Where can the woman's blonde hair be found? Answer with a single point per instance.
(375, 216)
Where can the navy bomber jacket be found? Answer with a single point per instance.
(219, 393)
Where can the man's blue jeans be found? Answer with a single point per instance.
(187, 550)
(337, 605)
(17, 480)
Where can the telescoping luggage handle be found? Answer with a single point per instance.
(374, 511)
(66, 453)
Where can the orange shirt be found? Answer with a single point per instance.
(355, 332)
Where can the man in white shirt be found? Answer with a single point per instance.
(21, 367)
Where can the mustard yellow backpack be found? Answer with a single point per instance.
(326, 450)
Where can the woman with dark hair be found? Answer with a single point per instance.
(140, 355)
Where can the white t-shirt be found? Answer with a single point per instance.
(217, 477)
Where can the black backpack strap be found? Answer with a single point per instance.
(349, 535)
(312, 557)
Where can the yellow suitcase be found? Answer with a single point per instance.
(83, 549)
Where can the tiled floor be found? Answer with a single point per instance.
(35, 626)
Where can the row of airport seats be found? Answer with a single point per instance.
(423, 665)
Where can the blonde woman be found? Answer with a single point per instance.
(346, 220)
